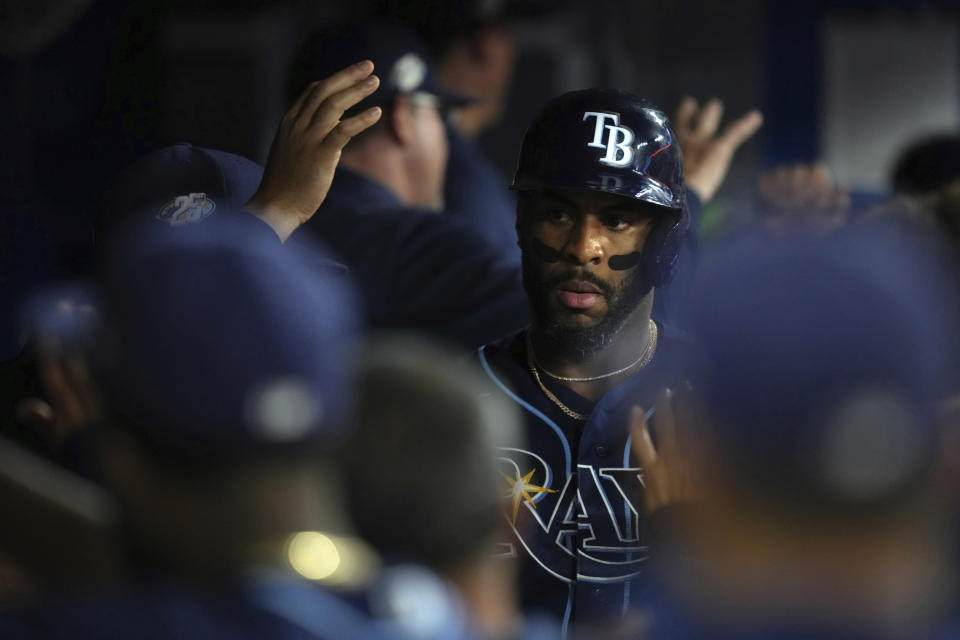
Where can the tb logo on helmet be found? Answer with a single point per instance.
(619, 139)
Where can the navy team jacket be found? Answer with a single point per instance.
(418, 270)
(476, 193)
(578, 519)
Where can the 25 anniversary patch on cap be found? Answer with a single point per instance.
(188, 209)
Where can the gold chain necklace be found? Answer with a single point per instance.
(531, 362)
(554, 399)
(640, 363)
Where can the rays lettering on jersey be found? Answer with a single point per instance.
(587, 529)
(619, 140)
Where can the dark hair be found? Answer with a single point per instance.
(927, 165)
(419, 471)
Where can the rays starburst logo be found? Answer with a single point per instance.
(521, 490)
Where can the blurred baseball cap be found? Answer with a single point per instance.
(225, 341)
(399, 57)
(824, 362)
(181, 186)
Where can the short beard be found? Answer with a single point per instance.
(582, 342)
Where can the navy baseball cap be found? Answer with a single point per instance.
(180, 186)
(224, 340)
(399, 58)
(825, 359)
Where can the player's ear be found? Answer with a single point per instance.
(518, 219)
(524, 205)
(400, 119)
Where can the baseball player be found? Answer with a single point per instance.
(602, 213)
(418, 268)
(225, 384)
(186, 188)
(475, 53)
(820, 446)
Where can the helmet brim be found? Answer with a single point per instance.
(638, 186)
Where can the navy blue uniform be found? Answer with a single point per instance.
(419, 270)
(580, 538)
(477, 194)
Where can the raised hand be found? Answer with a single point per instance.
(667, 467)
(706, 154)
(70, 402)
(307, 147)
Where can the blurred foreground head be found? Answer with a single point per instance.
(825, 361)
(224, 340)
(226, 373)
(420, 472)
(421, 464)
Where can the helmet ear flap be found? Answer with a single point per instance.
(662, 249)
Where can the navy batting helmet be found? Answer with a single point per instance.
(614, 142)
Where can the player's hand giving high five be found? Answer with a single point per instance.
(306, 149)
(706, 154)
(668, 466)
